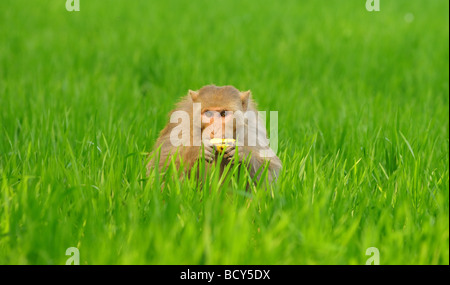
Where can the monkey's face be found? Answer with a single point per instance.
(218, 122)
(218, 105)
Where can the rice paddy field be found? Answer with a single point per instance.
(363, 131)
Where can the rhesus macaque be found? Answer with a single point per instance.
(217, 113)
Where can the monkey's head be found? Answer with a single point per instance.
(218, 104)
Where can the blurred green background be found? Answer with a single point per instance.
(362, 101)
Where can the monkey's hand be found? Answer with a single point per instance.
(209, 151)
(231, 151)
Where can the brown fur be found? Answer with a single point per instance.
(213, 97)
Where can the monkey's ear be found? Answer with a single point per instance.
(245, 96)
(193, 94)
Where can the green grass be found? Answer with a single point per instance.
(363, 108)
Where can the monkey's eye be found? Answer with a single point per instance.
(209, 114)
(223, 113)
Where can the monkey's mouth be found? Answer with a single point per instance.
(221, 144)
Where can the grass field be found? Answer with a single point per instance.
(363, 109)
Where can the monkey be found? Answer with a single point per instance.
(223, 112)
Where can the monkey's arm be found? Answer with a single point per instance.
(257, 161)
(258, 158)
